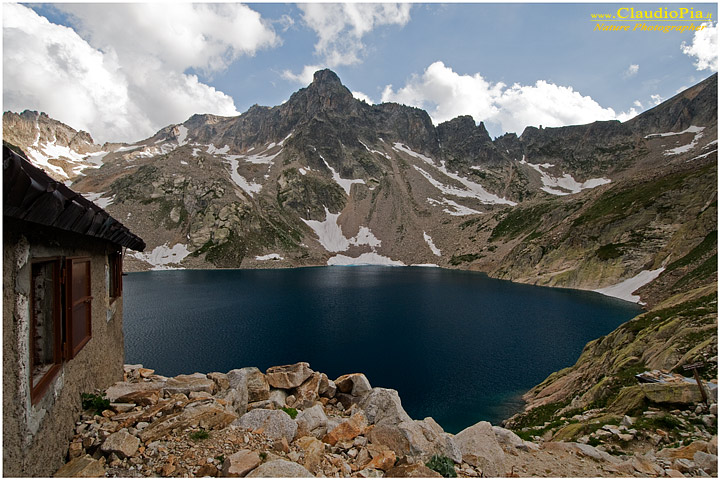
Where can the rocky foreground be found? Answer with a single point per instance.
(294, 422)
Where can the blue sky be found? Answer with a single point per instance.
(120, 72)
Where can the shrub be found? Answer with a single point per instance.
(199, 435)
(92, 401)
(290, 411)
(442, 465)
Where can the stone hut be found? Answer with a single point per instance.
(62, 312)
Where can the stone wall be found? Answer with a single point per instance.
(35, 436)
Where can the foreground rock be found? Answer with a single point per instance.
(195, 426)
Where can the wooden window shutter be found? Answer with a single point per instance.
(78, 318)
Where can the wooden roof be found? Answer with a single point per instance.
(29, 194)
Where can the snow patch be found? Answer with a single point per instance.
(433, 248)
(472, 189)
(369, 258)
(213, 150)
(302, 171)
(182, 136)
(624, 289)
(249, 187)
(281, 142)
(98, 199)
(269, 256)
(329, 232)
(163, 256)
(344, 183)
(690, 129)
(566, 183)
(374, 151)
(458, 210)
(703, 155)
(698, 131)
(195, 152)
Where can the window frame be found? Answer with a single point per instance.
(37, 390)
(73, 347)
(115, 266)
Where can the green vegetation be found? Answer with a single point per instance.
(538, 416)
(707, 268)
(91, 401)
(263, 456)
(697, 253)
(663, 422)
(456, 260)
(442, 465)
(621, 199)
(290, 411)
(520, 220)
(698, 307)
(199, 435)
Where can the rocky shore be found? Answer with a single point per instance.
(294, 422)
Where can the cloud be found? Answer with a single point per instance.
(341, 27)
(446, 94)
(121, 86)
(631, 71)
(704, 48)
(638, 103)
(656, 99)
(305, 77)
(362, 97)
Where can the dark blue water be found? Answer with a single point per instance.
(458, 346)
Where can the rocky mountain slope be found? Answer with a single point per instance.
(327, 179)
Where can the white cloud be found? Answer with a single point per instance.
(363, 97)
(704, 48)
(638, 103)
(341, 27)
(124, 78)
(447, 94)
(656, 99)
(305, 77)
(631, 71)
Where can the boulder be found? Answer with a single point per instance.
(646, 466)
(253, 380)
(688, 451)
(220, 379)
(119, 391)
(314, 452)
(275, 424)
(479, 447)
(347, 430)
(382, 458)
(236, 398)
(369, 473)
(240, 463)
(205, 413)
(308, 392)
(672, 393)
(83, 467)
(356, 384)
(382, 405)
(417, 439)
(508, 440)
(327, 387)
(288, 376)
(280, 469)
(277, 397)
(415, 470)
(312, 421)
(706, 461)
(197, 382)
(121, 444)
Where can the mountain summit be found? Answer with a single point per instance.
(327, 179)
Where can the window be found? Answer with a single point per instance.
(114, 275)
(78, 303)
(45, 328)
(60, 316)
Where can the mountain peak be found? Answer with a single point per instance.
(327, 77)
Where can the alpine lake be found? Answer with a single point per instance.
(458, 346)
